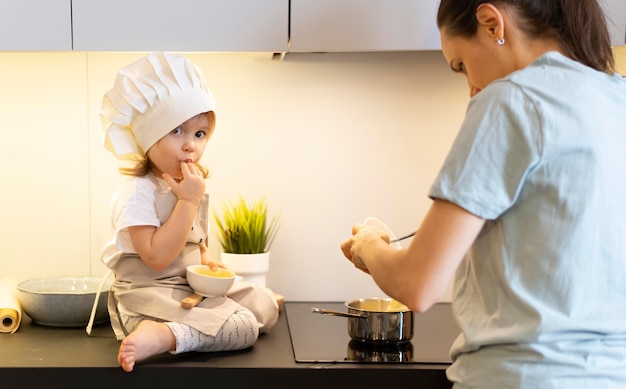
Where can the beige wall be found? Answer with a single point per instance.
(620, 59)
(44, 159)
(329, 139)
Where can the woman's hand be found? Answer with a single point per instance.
(355, 247)
(417, 275)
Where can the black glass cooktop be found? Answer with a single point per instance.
(324, 338)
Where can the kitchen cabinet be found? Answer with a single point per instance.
(181, 25)
(363, 25)
(615, 11)
(234, 25)
(35, 25)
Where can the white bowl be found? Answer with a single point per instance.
(63, 301)
(207, 285)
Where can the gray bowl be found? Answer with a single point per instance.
(63, 301)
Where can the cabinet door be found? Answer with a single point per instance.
(35, 25)
(615, 11)
(363, 25)
(180, 25)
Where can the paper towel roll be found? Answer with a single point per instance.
(10, 310)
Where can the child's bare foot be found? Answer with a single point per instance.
(149, 338)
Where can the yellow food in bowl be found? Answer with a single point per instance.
(219, 272)
(377, 305)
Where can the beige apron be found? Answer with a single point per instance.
(157, 294)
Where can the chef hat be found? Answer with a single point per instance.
(150, 98)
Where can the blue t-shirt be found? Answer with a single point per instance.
(541, 296)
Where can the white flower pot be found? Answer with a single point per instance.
(251, 267)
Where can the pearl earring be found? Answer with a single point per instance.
(500, 41)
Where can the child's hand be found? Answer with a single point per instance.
(207, 259)
(191, 187)
(214, 265)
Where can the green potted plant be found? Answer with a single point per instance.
(246, 233)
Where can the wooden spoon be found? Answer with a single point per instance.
(191, 301)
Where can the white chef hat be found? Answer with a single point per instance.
(150, 98)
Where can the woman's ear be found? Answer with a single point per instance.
(490, 18)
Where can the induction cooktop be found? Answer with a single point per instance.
(325, 338)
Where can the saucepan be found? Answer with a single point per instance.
(376, 321)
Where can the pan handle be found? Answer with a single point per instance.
(336, 313)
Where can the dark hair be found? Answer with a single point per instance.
(578, 25)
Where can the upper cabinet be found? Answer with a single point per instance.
(35, 25)
(233, 25)
(615, 11)
(363, 25)
(181, 25)
(389, 25)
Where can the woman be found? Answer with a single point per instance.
(528, 210)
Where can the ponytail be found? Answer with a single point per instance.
(579, 26)
(584, 35)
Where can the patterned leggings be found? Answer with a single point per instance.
(240, 331)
